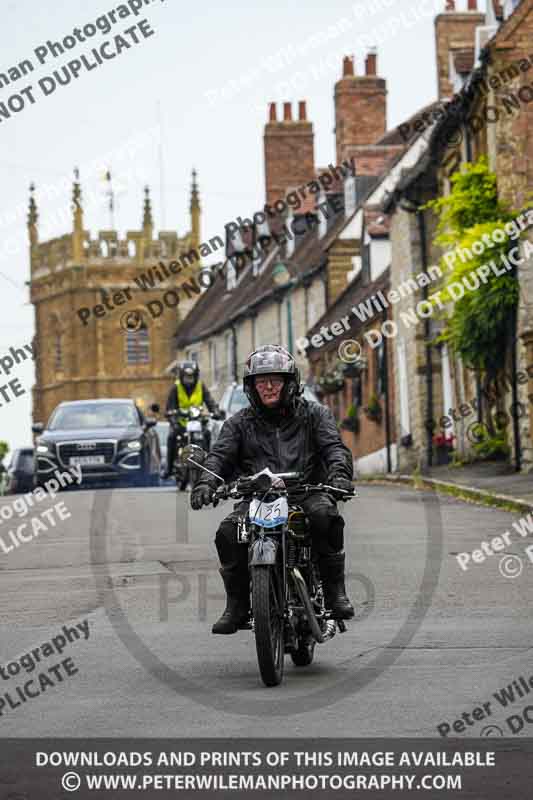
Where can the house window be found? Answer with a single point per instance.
(365, 264)
(350, 199)
(322, 218)
(357, 391)
(213, 362)
(138, 346)
(230, 360)
(231, 276)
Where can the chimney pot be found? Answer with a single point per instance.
(371, 65)
(450, 5)
(347, 66)
(472, 5)
(287, 112)
(302, 113)
(272, 116)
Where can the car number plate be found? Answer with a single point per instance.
(194, 426)
(86, 461)
(269, 515)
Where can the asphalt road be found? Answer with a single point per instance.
(138, 567)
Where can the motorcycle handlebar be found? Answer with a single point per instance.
(223, 492)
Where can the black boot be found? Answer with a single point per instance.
(332, 574)
(236, 613)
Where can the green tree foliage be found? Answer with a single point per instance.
(477, 324)
(4, 450)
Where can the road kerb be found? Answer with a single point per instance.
(462, 492)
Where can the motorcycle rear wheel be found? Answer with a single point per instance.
(267, 604)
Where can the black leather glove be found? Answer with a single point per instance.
(340, 483)
(201, 495)
(218, 414)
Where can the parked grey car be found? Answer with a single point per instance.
(234, 399)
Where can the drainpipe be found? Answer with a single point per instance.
(385, 378)
(234, 347)
(415, 208)
(514, 389)
(468, 146)
(427, 332)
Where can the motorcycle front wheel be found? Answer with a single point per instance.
(267, 604)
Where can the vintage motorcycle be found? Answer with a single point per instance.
(194, 432)
(288, 612)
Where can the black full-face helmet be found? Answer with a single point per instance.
(189, 373)
(267, 360)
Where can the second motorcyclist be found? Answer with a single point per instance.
(187, 392)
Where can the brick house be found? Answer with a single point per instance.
(488, 57)
(278, 296)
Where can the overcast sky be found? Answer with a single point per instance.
(203, 82)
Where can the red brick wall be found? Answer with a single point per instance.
(360, 112)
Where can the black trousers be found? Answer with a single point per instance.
(327, 531)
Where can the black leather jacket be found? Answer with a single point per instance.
(306, 440)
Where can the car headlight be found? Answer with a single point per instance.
(135, 445)
(43, 448)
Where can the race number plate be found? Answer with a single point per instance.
(269, 515)
(194, 426)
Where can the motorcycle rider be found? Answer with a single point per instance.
(284, 432)
(188, 391)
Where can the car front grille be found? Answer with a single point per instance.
(67, 450)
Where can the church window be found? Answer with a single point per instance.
(138, 346)
(58, 351)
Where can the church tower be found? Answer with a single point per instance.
(106, 309)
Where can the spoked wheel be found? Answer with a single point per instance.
(303, 655)
(267, 604)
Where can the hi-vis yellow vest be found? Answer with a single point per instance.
(185, 402)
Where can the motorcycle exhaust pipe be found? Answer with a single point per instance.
(331, 630)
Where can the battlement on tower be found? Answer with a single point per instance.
(137, 249)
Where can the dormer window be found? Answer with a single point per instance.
(291, 237)
(323, 214)
(231, 276)
(350, 196)
(509, 6)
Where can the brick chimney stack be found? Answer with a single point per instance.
(371, 65)
(360, 108)
(454, 30)
(289, 151)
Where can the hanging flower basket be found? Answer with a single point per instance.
(331, 382)
(351, 423)
(373, 410)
